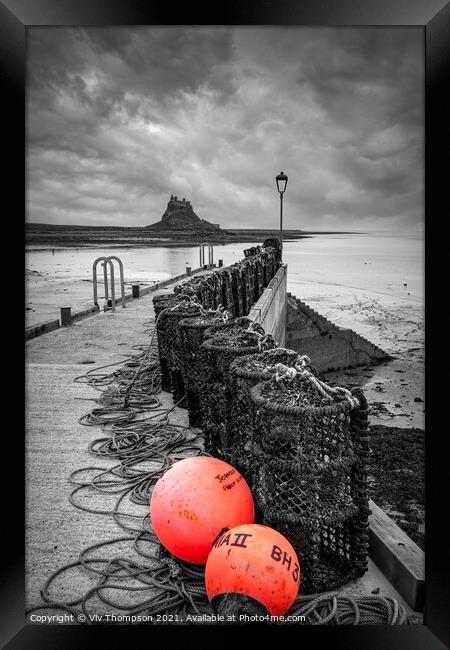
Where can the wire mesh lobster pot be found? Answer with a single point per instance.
(273, 244)
(311, 482)
(266, 267)
(236, 289)
(169, 341)
(245, 372)
(259, 278)
(253, 250)
(221, 347)
(161, 302)
(244, 273)
(227, 291)
(250, 282)
(197, 289)
(193, 360)
(214, 283)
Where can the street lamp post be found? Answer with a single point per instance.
(281, 180)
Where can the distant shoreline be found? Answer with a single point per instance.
(57, 236)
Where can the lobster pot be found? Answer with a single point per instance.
(207, 292)
(168, 333)
(259, 278)
(244, 269)
(161, 302)
(227, 291)
(215, 288)
(236, 288)
(267, 267)
(250, 280)
(245, 372)
(273, 244)
(192, 334)
(254, 250)
(221, 348)
(197, 289)
(311, 482)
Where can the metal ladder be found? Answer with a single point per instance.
(107, 261)
(210, 254)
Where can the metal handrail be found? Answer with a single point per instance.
(201, 248)
(107, 261)
(122, 283)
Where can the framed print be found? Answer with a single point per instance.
(258, 190)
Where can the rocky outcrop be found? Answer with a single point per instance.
(180, 215)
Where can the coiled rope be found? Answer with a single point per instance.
(335, 609)
(302, 370)
(262, 337)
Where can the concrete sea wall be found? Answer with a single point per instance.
(328, 346)
(270, 309)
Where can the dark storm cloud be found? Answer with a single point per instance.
(120, 118)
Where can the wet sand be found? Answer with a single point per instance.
(395, 389)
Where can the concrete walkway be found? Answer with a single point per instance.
(56, 445)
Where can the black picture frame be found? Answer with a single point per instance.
(433, 15)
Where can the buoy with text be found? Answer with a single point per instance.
(194, 501)
(252, 569)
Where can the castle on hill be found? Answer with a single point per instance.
(179, 215)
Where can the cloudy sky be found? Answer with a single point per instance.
(120, 118)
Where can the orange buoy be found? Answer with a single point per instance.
(194, 501)
(256, 561)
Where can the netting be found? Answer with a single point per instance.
(161, 302)
(311, 483)
(171, 310)
(222, 345)
(192, 334)
(245, 372)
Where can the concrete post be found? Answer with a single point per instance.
(66, 316)
(135, 290)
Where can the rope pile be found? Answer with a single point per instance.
(336, 609)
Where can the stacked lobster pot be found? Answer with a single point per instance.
(160, 303)
(169, 311)
(274, 244)
(198, 290)
(222, 345)
(245, 372)
(246, 285)
(236, 290)
(311, 481)
(259, 277)
(193, 361)
(226, 290)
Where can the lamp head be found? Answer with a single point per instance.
(281, 180)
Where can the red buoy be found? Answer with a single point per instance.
(194, 501)
(256, 561)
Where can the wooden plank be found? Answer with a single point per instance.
(397, 556)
